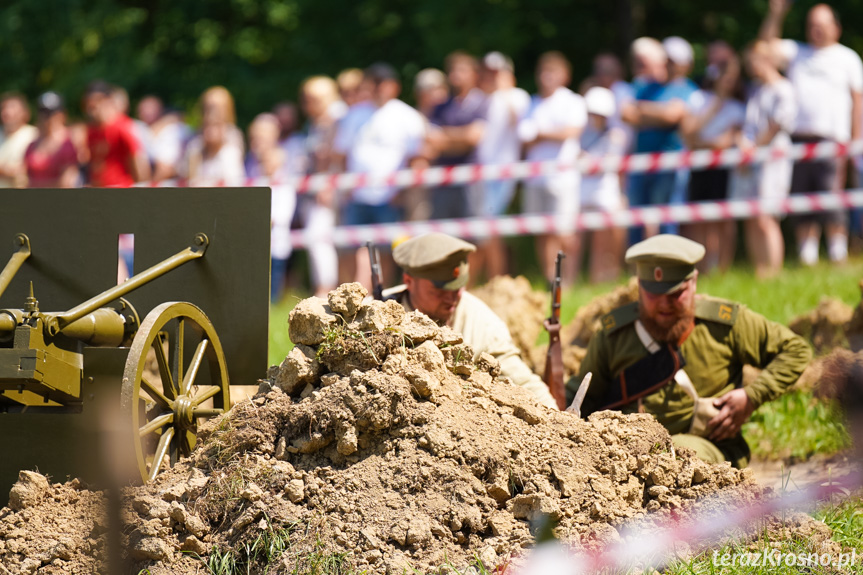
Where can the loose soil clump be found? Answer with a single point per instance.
(521, 308)
(826, 327)
(382, 443)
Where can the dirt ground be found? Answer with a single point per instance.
(523, 310)
(818, 470)
(832, 324)
(386, 442)
(826, 327)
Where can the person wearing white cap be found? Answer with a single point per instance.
(507, 103)
(550, 131)
(680, 56)
(602, 192)
(430, 90)
(680, 60)
(661, 93)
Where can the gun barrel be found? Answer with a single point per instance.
(555, 288)
(375, 263)
(196, 250)
(22, 243)
(103, 327)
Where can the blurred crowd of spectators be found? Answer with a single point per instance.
(773, 93)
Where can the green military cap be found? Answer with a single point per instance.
(664, 262)
(436, 257)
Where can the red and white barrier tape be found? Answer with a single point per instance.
(629, 164)
(522, 225)
(657, 545)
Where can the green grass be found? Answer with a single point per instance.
(794, 291)
(775, 430)
(276, 548)
(846, 520)
(844, 517)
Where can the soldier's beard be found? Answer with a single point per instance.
(672, 333)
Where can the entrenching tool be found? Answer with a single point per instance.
(578, 400)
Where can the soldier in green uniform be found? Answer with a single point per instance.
(680, 356)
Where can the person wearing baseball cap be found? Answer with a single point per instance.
(662, 90)
(680, 356)
(603, 137)
(499, 144)
(435, 272)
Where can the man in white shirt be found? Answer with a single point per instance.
(387, 141)
(828, 82)
(551, 131)
(771, 112)
(16, 135)
(499, 145)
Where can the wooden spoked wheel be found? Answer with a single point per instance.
(175, 374)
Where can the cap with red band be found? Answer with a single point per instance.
(664, 262)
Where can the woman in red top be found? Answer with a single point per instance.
(51, 160)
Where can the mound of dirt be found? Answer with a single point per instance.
(826, 326)
(382, 442)
(522, 309)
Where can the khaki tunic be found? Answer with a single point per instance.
(726, 337)
(485, 332)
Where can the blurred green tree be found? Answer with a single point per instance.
(262, 49)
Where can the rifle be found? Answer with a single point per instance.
(554, 356)
(375, 262)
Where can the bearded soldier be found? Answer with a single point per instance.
(680, 356)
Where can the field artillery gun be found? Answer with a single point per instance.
(70, 379)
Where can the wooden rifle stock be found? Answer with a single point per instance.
(554, 355)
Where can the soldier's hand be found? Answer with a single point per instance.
(734, 409)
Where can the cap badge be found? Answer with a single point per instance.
(456, 272)
(657, 273)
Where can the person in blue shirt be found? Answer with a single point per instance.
(662, 89)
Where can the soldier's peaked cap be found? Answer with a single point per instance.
(437, 257)
(664, 262)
